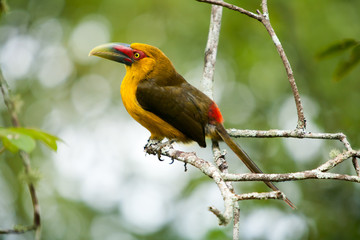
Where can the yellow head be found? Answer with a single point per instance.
(141, 59)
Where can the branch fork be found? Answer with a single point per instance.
(321, 172)
(265, 20)
(221, 178)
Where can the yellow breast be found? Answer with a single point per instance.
(158, 128)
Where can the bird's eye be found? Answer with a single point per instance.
(136, 55)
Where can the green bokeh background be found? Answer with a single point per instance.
(43, 54)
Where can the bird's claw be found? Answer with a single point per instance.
(151, 142)
(148, 148)
(151, 149)
(157, 150)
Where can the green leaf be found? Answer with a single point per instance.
(15, 141)
(337, 48)
(46, 138)
(346, 66)
(8, 145)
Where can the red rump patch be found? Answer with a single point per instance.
(215, 114)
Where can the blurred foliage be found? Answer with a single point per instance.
(345, 66)
(3, 7)
(43, 55)
(216, 235)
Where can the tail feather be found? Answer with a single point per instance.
(246, 159)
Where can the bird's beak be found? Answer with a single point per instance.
(119, 52)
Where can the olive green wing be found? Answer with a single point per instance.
(181, 105)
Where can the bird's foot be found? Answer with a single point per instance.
(154, 147)
(151, 142)
(149, 147)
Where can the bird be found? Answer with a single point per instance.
(163, 102)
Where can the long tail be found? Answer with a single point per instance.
(246, 159)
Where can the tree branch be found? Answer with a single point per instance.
(207, 81)
(283, 177)
(18, 230)
(261, 196)
(232, 7)
(213, 172)
(222, 177)
(207, 168)
(207, 84)
(236, 222)
(356, 166)
(275, 133)
(5, 90)
(232, 210)
(265, 20)
(219, 159)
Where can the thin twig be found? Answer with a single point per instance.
(18, 230)
(301, 125)
(232, 7)
(218, 214)
(261, 196)
(5, 90)
(26, 162)
(284, 177)
(219, 159)
(330, 164)
(207, 81)
(356, 166)
(276, 133)
(236, 222)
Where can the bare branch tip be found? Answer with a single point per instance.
(219, 215)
